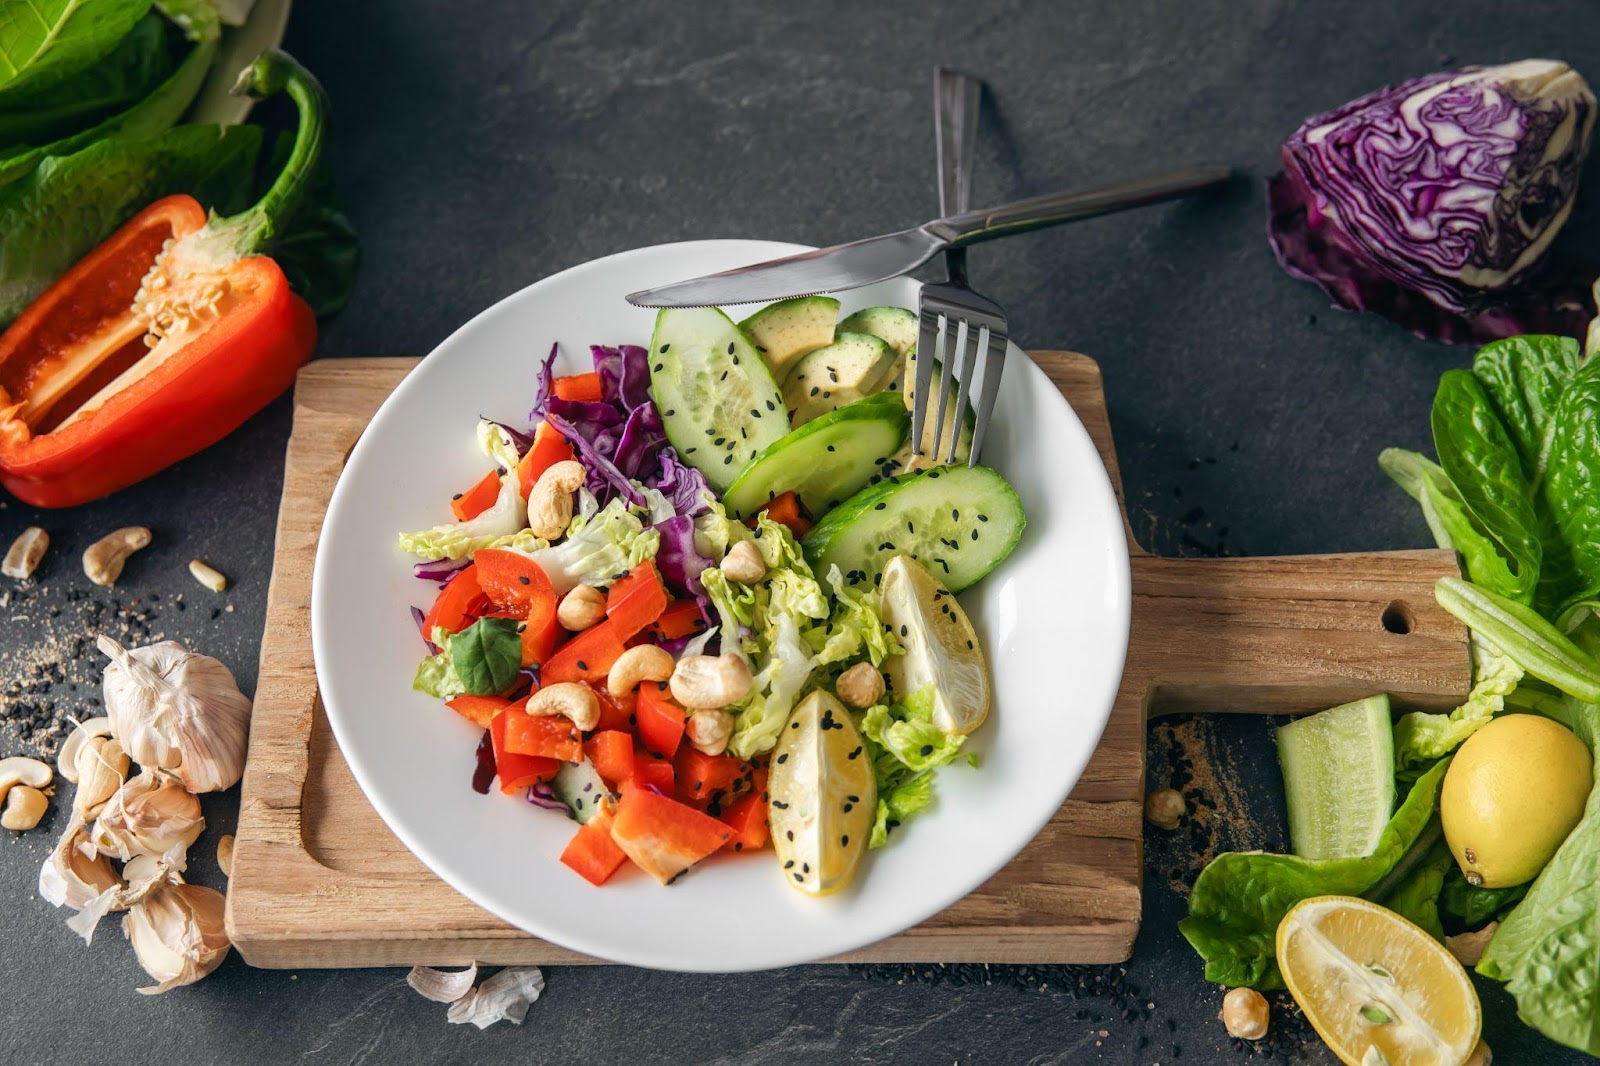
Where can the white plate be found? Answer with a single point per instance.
(1053, 617)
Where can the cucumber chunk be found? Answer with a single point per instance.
(710, 384)
(894, 325)
(825, 460)
(788, 329)
(839, 374)
(1338, 777)
(578, 785)
(957, 521)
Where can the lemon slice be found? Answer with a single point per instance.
(1377, 988)
(822, 797)
(941, 647)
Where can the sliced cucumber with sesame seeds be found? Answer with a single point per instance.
(824, 461)
(710, 384)
(958, 521)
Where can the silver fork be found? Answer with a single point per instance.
(952, 318)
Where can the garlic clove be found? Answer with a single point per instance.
(175, 710)
(151, 814)
(68, 878)
(102, 766)
(502, 998)
(82, 733)
(442, 986)
(177, 934)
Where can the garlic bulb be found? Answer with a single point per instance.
(71, 878)
(175, 710)
(177, 934)
(151, 814)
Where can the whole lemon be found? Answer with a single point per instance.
(1516, 789)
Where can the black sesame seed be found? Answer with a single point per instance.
(879, 506)
(671, 411)
(661, 366)
(955, 514)
(983, 518)
(522, 579)
(844, 841)
(797, 877)
(783, 758)
(771, 406)
(726, 459)
(581, 666)
(927, 749)
(974, 534)
(789, 865)
(730, 347)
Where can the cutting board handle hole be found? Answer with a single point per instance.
(1397, 617)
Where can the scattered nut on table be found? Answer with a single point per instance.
(1245, 1013)
(21, 770)
(207, 575)
(25, 806)
(1165, 808)
(104, 559)
(26, 552)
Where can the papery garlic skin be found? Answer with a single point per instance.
(177, 933)
(151, 814)
(71, 878)
(179, 711)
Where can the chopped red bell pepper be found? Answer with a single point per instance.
(584, 387)
(638, 598)
(480, 710)
(551, 736)
(702, 777)
(513, 582)
(659, 719)
(478, 499)
(611, 752)
(539, 644)
(785, 510)
(649, 770)
(588, 655)
(591, 853)
(681, 619)
(616, 713)
(517, 770)
(458, 605)
(662, 836)
(747, 818)
(162, 340)
(548, 449)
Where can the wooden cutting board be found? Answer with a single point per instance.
(318, 879)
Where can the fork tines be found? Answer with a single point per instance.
(956, 325)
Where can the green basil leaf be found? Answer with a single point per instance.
(43, 41)
(56, 215)
(1570, 495)
(1525, 377)
(487, 655)
(131, 72)
(1483, 464)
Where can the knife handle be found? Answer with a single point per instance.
(1054, 209)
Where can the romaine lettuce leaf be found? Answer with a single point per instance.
(1420, 737)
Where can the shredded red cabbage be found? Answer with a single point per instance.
(540, 795)
(440, 570)
(419, 617)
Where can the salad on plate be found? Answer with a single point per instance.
(704, 600)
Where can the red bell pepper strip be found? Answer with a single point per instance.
(458, 604)
(478, 499)
(611, 752)
(649, 770)
(585, 387)
(480, 710)
(700, 777)
(548, 449)
(550, 736)
(517, 770)
(539, 644)
(747, 818)
(162, 340)
(513, 582)
(588, 655)
(591, 853)
(662, 836)
(616, 712)
(784, 509)
(660, 720)
(638, 597)
(680, 619)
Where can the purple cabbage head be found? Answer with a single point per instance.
(1433, 201)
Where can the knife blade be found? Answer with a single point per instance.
(864, 262)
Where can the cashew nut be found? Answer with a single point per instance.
(581, 608)
(550, 499)
(1245, 1013)
(642, 662)
(21, 770)
(704, 681)
(743, 564)
(225, 854)
(26, 551)
(102, 767)
(25, 805)
(570, 698)
(104, 558)
(860, 686)
(82, 733)
(709, 731)
(207, 575)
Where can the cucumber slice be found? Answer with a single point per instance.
(958, 521)
(1338, 776)
(788, 329)
(578, 785)
(895, 325)
(839, 374)
(710, 383)
(824, 461)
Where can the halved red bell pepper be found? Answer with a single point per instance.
(516, 770)
(591, 853)
(659, 719)
(548, 449)
(480, 710)
(147, 351)
(611, 752)
(585, 387)
(747, 818)
(513, 582)
(662, 836)
(478, 499)
(458, 604)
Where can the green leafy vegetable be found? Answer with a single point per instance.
(1524, 378)
(436, 675)
(600, 546)
(317, 248)
(1449, 519)
(487, 655)
(1420, 738)
(906, 747)
(1474, 906)
(1570, 493)
(42, 41)
(1417, 897)
(504, 520)
(1240, 897)
(57, 214)
(1533, 643)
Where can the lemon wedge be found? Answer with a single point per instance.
(1375, 987)
(941, 647)
(822, 796)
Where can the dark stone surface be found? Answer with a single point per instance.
(482, 146)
